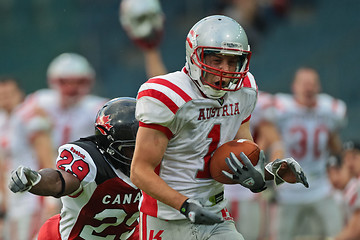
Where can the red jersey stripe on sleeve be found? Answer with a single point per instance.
(161, 97)
(172, 86)
(163, 129)
(246, 120)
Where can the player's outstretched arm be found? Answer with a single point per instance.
(46, 182)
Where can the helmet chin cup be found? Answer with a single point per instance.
(210, 92)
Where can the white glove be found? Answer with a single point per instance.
(193, 210)
(295, 168)
(23, 179)
(249, 176)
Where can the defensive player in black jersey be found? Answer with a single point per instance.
(92, 179)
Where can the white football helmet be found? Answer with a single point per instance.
(69, 65)
(72, 75)
(143, 21)
(220, 35)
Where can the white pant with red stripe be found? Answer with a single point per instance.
(152, 228)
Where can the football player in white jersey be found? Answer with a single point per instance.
(184, 116)
(92, 179)
(309, 122)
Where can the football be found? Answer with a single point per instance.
(217, 162)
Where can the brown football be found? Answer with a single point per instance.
(217, 162)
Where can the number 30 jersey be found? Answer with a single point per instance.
(195, 126)
(306, 133)
(107, 205)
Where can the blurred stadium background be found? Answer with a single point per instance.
(321, 33)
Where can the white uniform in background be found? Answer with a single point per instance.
(24, 209)
(71, 123)
(351, 198)
(305, 133)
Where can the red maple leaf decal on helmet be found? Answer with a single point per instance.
(103, 122)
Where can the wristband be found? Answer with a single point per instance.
(184, 207)
(62, 185)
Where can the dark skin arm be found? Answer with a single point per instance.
(51, 184)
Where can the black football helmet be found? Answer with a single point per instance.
(115, 131)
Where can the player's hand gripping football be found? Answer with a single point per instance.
(197, 214)
(287, 170)
(247, 175)
(23, 179)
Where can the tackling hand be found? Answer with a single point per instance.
(197, 214)
(287, 170)
(249, 176)
(23, 179)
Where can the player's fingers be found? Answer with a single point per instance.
(246, 160)
(231, 165)
(231, 176)
(236, 161)
(15, 184)
(261, 163)
(304, 180)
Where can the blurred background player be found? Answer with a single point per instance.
(309, 123)
(25, 139)
(68, 103)
(11, 96)
(346, 177)
(92, 180)
(49, 118)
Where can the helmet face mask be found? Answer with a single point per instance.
(234, 78)
(221, 36)
(123, 151)
(115, 131)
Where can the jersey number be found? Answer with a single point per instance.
(214, 134)
(119, 214)
(79, 168)
(301, 148)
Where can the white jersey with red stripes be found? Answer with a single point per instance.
(195, 126)
(71, 123)
(305, 133)
(107, 205)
